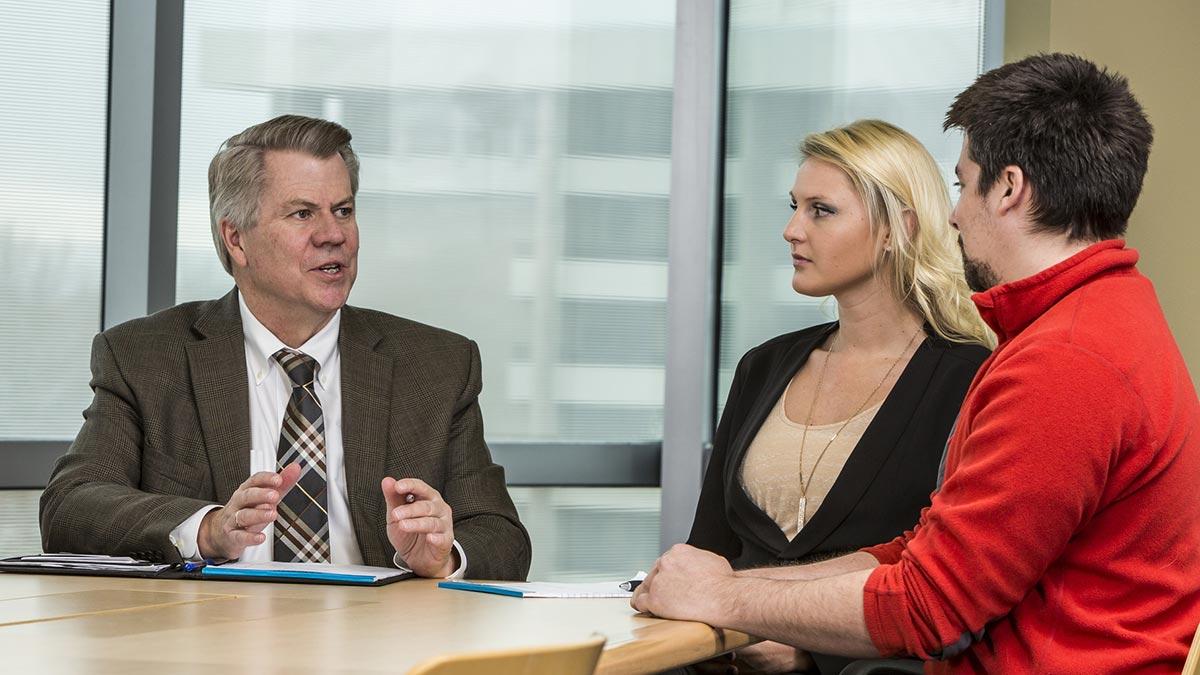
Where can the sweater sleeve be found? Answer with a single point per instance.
(1047, 425)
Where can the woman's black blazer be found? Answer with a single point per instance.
(886, 481)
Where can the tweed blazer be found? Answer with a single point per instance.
(168, 432)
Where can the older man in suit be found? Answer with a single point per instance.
(278, 423)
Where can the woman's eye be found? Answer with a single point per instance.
(793, 205)
(957, 185)
(822, 210)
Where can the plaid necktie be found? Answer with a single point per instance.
(302, 529)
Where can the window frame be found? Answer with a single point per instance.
(141, 209)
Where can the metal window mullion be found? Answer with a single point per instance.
(636, 464)
(692, 254)
(992, 38)
(545, 464)
(142, 183)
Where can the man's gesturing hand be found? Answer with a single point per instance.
(422, 531)
(229, 530)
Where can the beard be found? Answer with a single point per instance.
(980, 275)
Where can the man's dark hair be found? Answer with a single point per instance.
(1076, 131)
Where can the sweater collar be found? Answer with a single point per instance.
(1009, 308)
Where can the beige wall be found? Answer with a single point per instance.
(1156, 44)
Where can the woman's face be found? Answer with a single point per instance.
(833, 250)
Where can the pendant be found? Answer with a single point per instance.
(800, 516)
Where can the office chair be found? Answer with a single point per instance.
(577, 658)
(885, 667)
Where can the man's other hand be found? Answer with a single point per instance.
(420, 525)
(229, 530)
(771, 657)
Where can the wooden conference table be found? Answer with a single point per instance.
(52, 624)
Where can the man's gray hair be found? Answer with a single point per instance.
(235, 175)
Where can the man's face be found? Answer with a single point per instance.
(301, 259)
(973, 219)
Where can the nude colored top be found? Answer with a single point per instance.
(769, 471)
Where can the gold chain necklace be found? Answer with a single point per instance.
(804, 484)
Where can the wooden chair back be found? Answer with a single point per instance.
(1192, 665)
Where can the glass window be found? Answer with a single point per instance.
(799, 67)
(589, 534)
(515, 172)
(19, 532)
(515, 175)
(53, 98)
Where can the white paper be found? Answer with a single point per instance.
(83, 558)
(546, 589)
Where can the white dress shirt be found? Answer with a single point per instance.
(270, 389)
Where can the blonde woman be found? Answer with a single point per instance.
(831, 436)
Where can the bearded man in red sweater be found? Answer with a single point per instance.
(1065, 537)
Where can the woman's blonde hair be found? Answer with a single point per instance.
(894, 175)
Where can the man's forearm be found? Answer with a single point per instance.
(824, 615)
(854, 562)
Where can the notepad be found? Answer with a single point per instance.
(278, 571)
(541, 589)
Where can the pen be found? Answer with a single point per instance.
(192, 566)
(634, 582)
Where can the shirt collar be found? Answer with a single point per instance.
(1009, 308)
(262, 344)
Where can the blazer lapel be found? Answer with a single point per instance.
(760, 525)
(878, 442)
(366, 404)
(217, 363)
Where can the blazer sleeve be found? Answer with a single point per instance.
(94, 501)
(485, 521)
(710, 528)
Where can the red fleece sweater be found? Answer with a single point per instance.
(1066, 536)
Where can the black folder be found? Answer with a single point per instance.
(116, 566)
